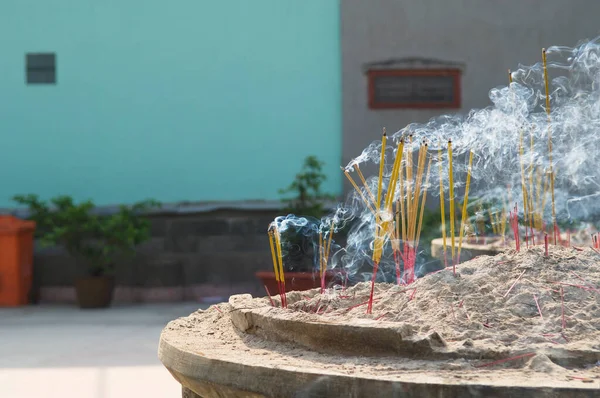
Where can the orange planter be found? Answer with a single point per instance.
(16, 260)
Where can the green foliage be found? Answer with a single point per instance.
(308, 199)
(87, 236)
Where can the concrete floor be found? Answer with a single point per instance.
(52, 352)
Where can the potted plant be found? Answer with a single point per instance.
(305, 198)
(95, 241)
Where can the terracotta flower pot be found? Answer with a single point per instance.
(298, 281)
(95, 292)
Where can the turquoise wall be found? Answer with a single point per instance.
(188, 100)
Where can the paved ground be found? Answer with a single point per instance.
(52, 352)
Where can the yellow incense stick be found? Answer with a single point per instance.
(523, 185)
(280, 258)
(378, 246)
(328, 249)
(381, 168)
(531, 184)
(364, 181)
(360, 192)
(417, 193)
(464, 209)
(538, 202)
(493, 222)
(274, 256)
(548, 112)
(398, 218)
(423, 200)
(442, 203)
(394, 177)
(401, 201)
(451, 187)
(409, 188)
(321, 253)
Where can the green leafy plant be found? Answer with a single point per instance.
(308, 199)
(305, 198)
(94, 239)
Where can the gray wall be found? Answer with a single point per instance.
(488, 37)
(191, 256)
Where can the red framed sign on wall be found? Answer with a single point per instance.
(414, 88)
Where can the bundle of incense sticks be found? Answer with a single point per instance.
(539, 183)
(412, 206)
(455, 255)
(275, 243)
(407, 188)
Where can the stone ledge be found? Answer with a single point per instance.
(202, 293)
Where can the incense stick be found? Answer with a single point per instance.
(378, 243)
(464, 209)
(275, 263)
(451, 186)
(538, 306)
(360, 192)
(513, 285)
(423, 200)
(442, 210)
(364, 181)
(548, 112)
(281, 273)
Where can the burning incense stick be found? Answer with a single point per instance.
(464, 209)
(379, 234)
(442, 210)
(548, 112)
(381, 168)
(451, 187)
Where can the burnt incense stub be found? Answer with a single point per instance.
(479, 333)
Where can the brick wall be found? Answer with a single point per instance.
(201, 256)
